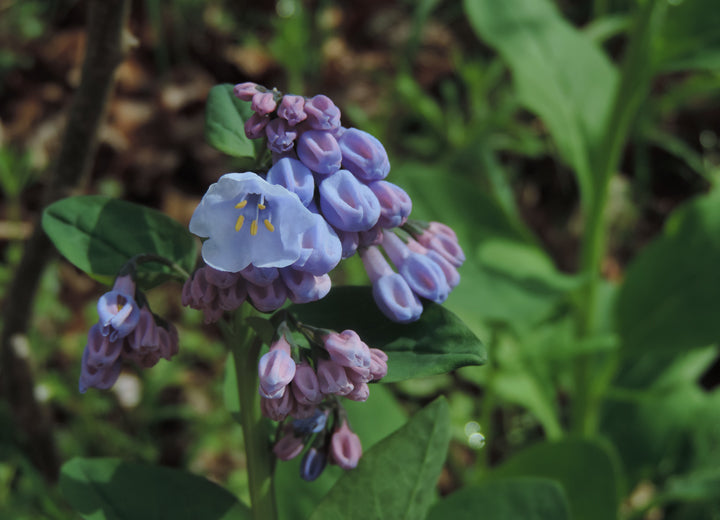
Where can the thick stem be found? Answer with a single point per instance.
(245, 346)
(104, 51)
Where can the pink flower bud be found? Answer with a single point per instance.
(246, 91)
(288, 447)
(445, 246)
(378, 364)
(305, 287)
(145, 339)
(267, 299)
(281, 135)
(276, 369)
(347, 349)
(292, 109)
(255, 126)
(345, 447)
(322, 114)
(332, 378)
(277, 409)
(360, 392)
(305, 385)
(263, 103)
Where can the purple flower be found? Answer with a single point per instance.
(100, 378)
(118, 311)
(305, 385)
(280, 136)
(168, 341)
(255, 126)
(295, 176)
(101, 351)
(444, 244)
(276, 369)
(347, 203)
(277, 409)
(347, 349)
(230, 298)
(145, 339)
(292, 109)
(319, 151)
(260, 276)
(360, 392)
(313, 464)
(263, 103)
(345, 447)
(395, 204)
(378, 364)
(305, 287)
(350, 241)
(220, 279)
(364, 155)
(452, 277)
(246, 91)
(322, 114)
(332, 378)
(250, 221)
(391, 292)
(269, 298)
(321, 249)
(288, 447)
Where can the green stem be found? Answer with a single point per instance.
(635, 78)
(245, 346)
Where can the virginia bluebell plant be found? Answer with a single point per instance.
(275, 236)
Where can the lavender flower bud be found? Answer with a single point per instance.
(305, 385)
(347, 349)
(101, 350)
(348, 204)
(169, 340)
(263, 103)
(304, 287)
(345, 447)
(444, 245)
(319, 151)
(280, 136)
(260, 276)
(371, 237)
(364, 155)
(288, 447)
(395, 204)
(292, 109)
(118, 311)
(276, 369)
(255, 126)
(452, 277)
(313, 464)
(438, 228)
(360, 392)
(232, 297)
(220, 279)
(295, 176)
(267, 299)
(277, 409)
(396, 300)
(246, 91)
(378, 364)
(145, 338)
(322, 114)
(332, 378)
(100, 378)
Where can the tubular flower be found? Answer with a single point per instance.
(119, 314)
(249, 221)
(345, 447)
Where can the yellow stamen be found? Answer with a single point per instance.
(241, 204)
(268, 225)
(239, 223)
(253, 228)
(261, 206)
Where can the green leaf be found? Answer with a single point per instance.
(396, 478)
(99, 235)
(586, 470)
(505, 499)
(690, 38)
(225, 117)
(558, 72)
(372, 420)
(439, 342)
(669, 299)
(109, 489)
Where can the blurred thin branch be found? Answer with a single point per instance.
(105, 50)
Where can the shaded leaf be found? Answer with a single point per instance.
(396, 478)
(225, 117)
(690, 38)
(99, 235)
(109, 489)
(437, 343)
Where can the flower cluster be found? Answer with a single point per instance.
(125, 330)
(342, 447)
(294, 381)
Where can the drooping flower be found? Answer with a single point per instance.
(348, 204)
(118, 311)
(289, 446)
(313, 464)
(347, 349)
(345, 447)
(276, 369)
(249, 221)
(364, 155)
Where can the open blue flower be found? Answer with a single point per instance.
(249, 221)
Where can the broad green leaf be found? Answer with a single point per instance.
(372, 420)
(558, 72)
(669, 299)
(586, 470)
(396, 478)
(110, 489)
(505, 499)
(225, 117)
(690, 38)
(99, 235)
(437, 343)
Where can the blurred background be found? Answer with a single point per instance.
(412, 73)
